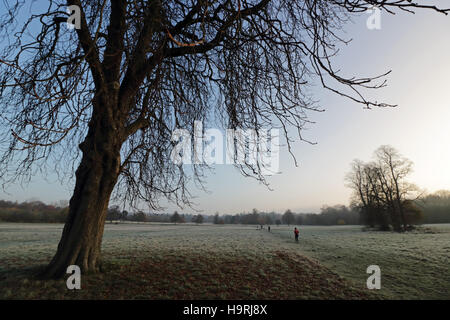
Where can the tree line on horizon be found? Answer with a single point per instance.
(435, 208)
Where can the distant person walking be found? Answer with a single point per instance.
(296, 232)
(268, 228)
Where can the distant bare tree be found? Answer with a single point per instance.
(113, 213)
(198, 219)
(177, 218)
(216, 219)
(393, 171)
(288, 217)
(382, 190)
(108, 95)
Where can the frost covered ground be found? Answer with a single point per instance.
(414, 265)
(165, 261)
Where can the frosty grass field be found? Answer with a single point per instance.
(165, 261)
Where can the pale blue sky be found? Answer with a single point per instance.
(417, 49)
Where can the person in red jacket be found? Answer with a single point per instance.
(296, 232)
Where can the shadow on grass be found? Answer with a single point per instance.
(185, 274)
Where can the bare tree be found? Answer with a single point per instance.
(394, 169)
(108, 95)
(288, 217)
(176, 217)
(197, 219)
(381, 188)
(356, 180)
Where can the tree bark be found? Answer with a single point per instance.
(96, 177)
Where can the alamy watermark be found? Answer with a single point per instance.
(74, 280)
(74, 20)
(373, 22)
(374, 280)
(245, 147)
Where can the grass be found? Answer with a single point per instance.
(153, 261)
(414, 265)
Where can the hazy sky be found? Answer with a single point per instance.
(417, 49)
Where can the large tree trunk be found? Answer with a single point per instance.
(96, 177)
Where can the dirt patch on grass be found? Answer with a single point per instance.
(186, 274)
